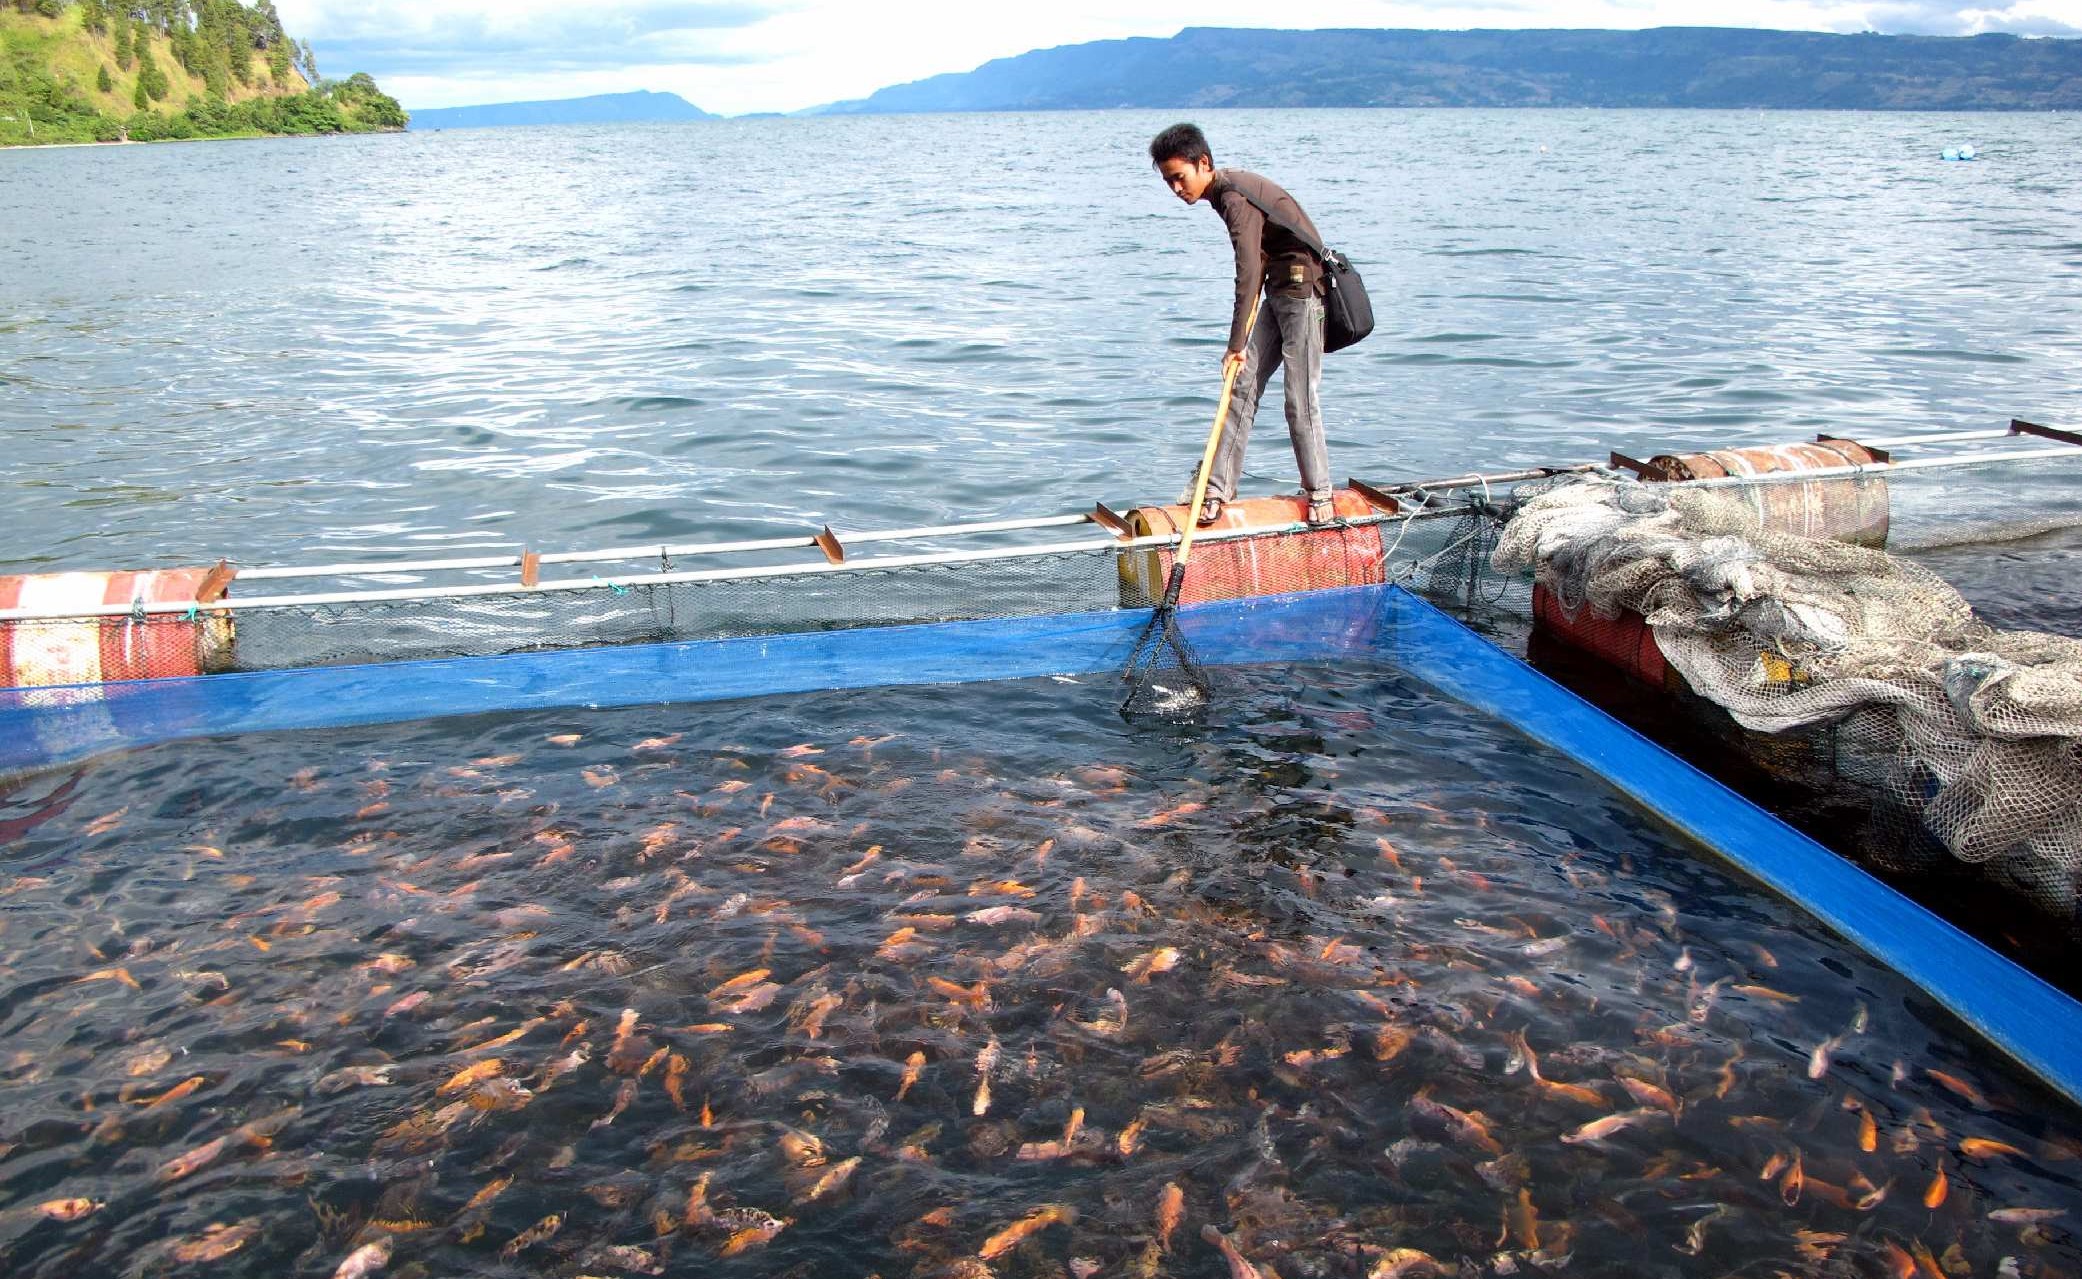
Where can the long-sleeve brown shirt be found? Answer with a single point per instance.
(1267, 256)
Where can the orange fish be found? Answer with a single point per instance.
(216, 1242)
(1171, 1209)
(1934, 1195)
(469, 1075)
(1960, 1087)
(69, 1209)
(1984, 1148)
(175, 1093)
(914, 1065)
(193, 1161)
(1033, 1223)
(1599, 1129)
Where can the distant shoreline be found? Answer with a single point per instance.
(158, 142)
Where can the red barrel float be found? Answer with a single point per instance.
(1304, 560)
(1842, 509)
(38, 653)
(1625, 643)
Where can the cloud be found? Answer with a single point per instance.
(525, 37)
(735, 56)
(1934, 19)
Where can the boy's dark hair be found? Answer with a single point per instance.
(1180, 142)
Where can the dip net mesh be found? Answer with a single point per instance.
(1965, 738)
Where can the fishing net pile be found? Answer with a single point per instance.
(1969, 737)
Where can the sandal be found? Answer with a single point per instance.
(1322, 513)
(1210, 511)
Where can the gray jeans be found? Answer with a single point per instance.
(1290, 332)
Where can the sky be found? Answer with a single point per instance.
(733, 57)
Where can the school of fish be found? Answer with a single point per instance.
(649, 994)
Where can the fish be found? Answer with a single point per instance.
(1600, 1129)
(119, 975)
(1987, 1148)
(68, 1209)
(355, 1077)
(914, 1065)
(365, 1260)
(676, 1068)
(2025, 1216)
(1934, 1194)
(1463, 1127)
(1960, 1088)
(1171, 1209)
(1396, 1263)
(1005, 1240)
(472, 1074)
(1646, 1094)
(193, 1161)
(175, 1093)
(546, 1228)
(1240, 1266)
(1129, 1138)
(1695, 1234)
(1522, 1220)
(996, 916)
(1818, 1061)
(216, 1242)
(830, 1182)
(1161, 960)
(749, 1228)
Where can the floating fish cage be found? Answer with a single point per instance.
(823, 917)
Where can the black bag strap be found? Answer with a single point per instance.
(1309, 242)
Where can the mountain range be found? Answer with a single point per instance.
(604, 108)
(1207, 67)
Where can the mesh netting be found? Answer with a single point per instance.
(1439, 553)
(1968, 737)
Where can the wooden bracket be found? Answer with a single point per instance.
(531, 568)
(215, 583)
(1624, 462)
(1109, 519)
(828, 542)
(2018, 426)
(1878, 455)
(1375, 498)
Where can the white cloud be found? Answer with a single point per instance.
(735, 56)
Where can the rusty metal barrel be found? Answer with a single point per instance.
(1301, 560)
(1842, 509)
(40, 653)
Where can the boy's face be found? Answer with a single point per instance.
(1188, 179)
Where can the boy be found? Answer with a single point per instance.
(1290, 323)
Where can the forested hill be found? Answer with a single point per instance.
(145, 70)
(1665, 67)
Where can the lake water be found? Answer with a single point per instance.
(961, 982)
(299, 348)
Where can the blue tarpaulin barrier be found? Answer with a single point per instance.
(2023, 1016)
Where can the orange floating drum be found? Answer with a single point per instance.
(1307, 560)
(37, 653)
(1625, 642)
(1841, 509)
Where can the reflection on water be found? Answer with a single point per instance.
(960, 982)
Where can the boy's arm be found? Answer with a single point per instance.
(1247, 234)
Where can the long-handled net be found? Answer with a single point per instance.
(1164, 680)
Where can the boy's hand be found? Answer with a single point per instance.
(1233, 360)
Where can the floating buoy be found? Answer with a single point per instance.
(1310, 560)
